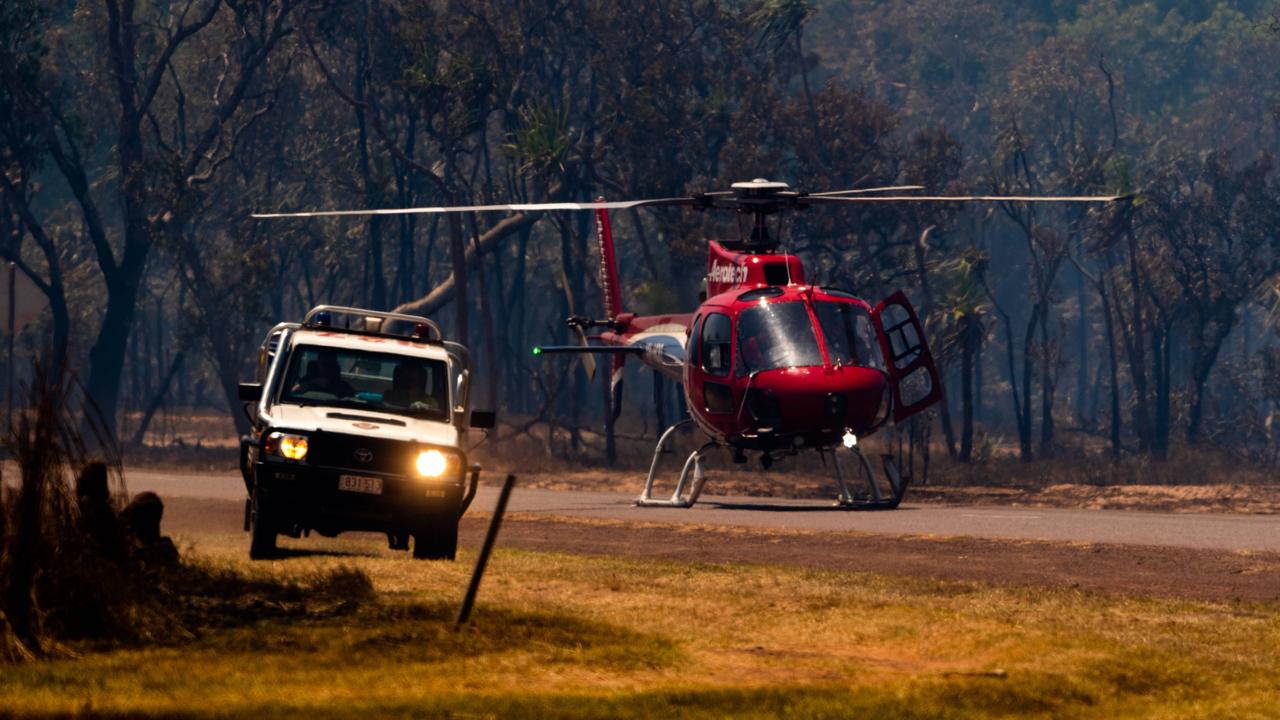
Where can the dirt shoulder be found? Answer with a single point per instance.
(1124, 569)
(1245, 499)
(1251, 498)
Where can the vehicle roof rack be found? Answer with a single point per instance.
(371, 322)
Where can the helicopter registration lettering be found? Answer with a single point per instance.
(730, 274)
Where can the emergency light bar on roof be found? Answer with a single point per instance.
(372, 322)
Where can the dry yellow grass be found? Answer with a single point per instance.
(567, 636)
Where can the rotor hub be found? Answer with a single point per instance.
(758, 189)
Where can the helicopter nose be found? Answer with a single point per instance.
(817, 400)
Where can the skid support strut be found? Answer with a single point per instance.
(877, 498)
(680, 498)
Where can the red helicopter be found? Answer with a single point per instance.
(768, 362)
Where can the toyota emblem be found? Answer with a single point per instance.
(364, 455)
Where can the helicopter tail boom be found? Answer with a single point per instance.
(611, 294)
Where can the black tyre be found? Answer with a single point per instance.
(262, 531)
(436, 538)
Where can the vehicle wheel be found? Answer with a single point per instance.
(262, 531)
(436, 538)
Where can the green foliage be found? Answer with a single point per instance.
(22, 51)
(780, 21)
(542, 142)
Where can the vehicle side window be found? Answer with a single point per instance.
(267, 353)
(717, 335)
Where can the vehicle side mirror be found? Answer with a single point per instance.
(250, 392)
(483, 419)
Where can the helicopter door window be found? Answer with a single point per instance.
(849, 334)
(776, 335)
(717, 332)
(904, 343)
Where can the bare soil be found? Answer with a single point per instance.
(1128, 570)
(1253, 499)
(1124, 569)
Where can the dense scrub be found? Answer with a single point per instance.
(81, 569)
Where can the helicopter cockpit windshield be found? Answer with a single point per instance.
(776, 335)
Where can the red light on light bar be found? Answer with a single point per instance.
(421, 330)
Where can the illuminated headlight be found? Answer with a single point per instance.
(435, 464)
(285, 445)
(850, 440)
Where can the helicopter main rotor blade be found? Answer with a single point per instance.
(515, 207)
(859, 191)
(966, 198)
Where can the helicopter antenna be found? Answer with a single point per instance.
(785, 238)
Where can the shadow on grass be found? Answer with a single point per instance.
(286, 553)
(333, 620)
(423, 633)
(209, 597)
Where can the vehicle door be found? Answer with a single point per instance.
(913, 376)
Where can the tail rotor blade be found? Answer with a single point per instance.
(588, 360)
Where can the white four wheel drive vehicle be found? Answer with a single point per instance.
(359, 422)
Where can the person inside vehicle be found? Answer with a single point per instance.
(409, 388)
(324, 375)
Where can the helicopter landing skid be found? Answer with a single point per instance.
(876, 498)
(680, 498)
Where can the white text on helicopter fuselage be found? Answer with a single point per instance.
(732, 274)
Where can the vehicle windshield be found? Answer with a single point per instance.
(850, 338)
(359, 379)
(776, 335)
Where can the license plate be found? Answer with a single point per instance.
(360, 484)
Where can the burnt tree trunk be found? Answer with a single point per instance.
(970, 343)
(1112, 365)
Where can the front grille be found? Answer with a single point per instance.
(362, 454)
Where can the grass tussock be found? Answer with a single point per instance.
(77, 569)
(67, 575)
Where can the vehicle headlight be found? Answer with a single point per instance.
(434, 463)
(286, 445)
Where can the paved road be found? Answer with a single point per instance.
(1187, 530)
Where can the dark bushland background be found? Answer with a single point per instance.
(136, 138)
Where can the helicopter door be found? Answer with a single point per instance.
(913, 377)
